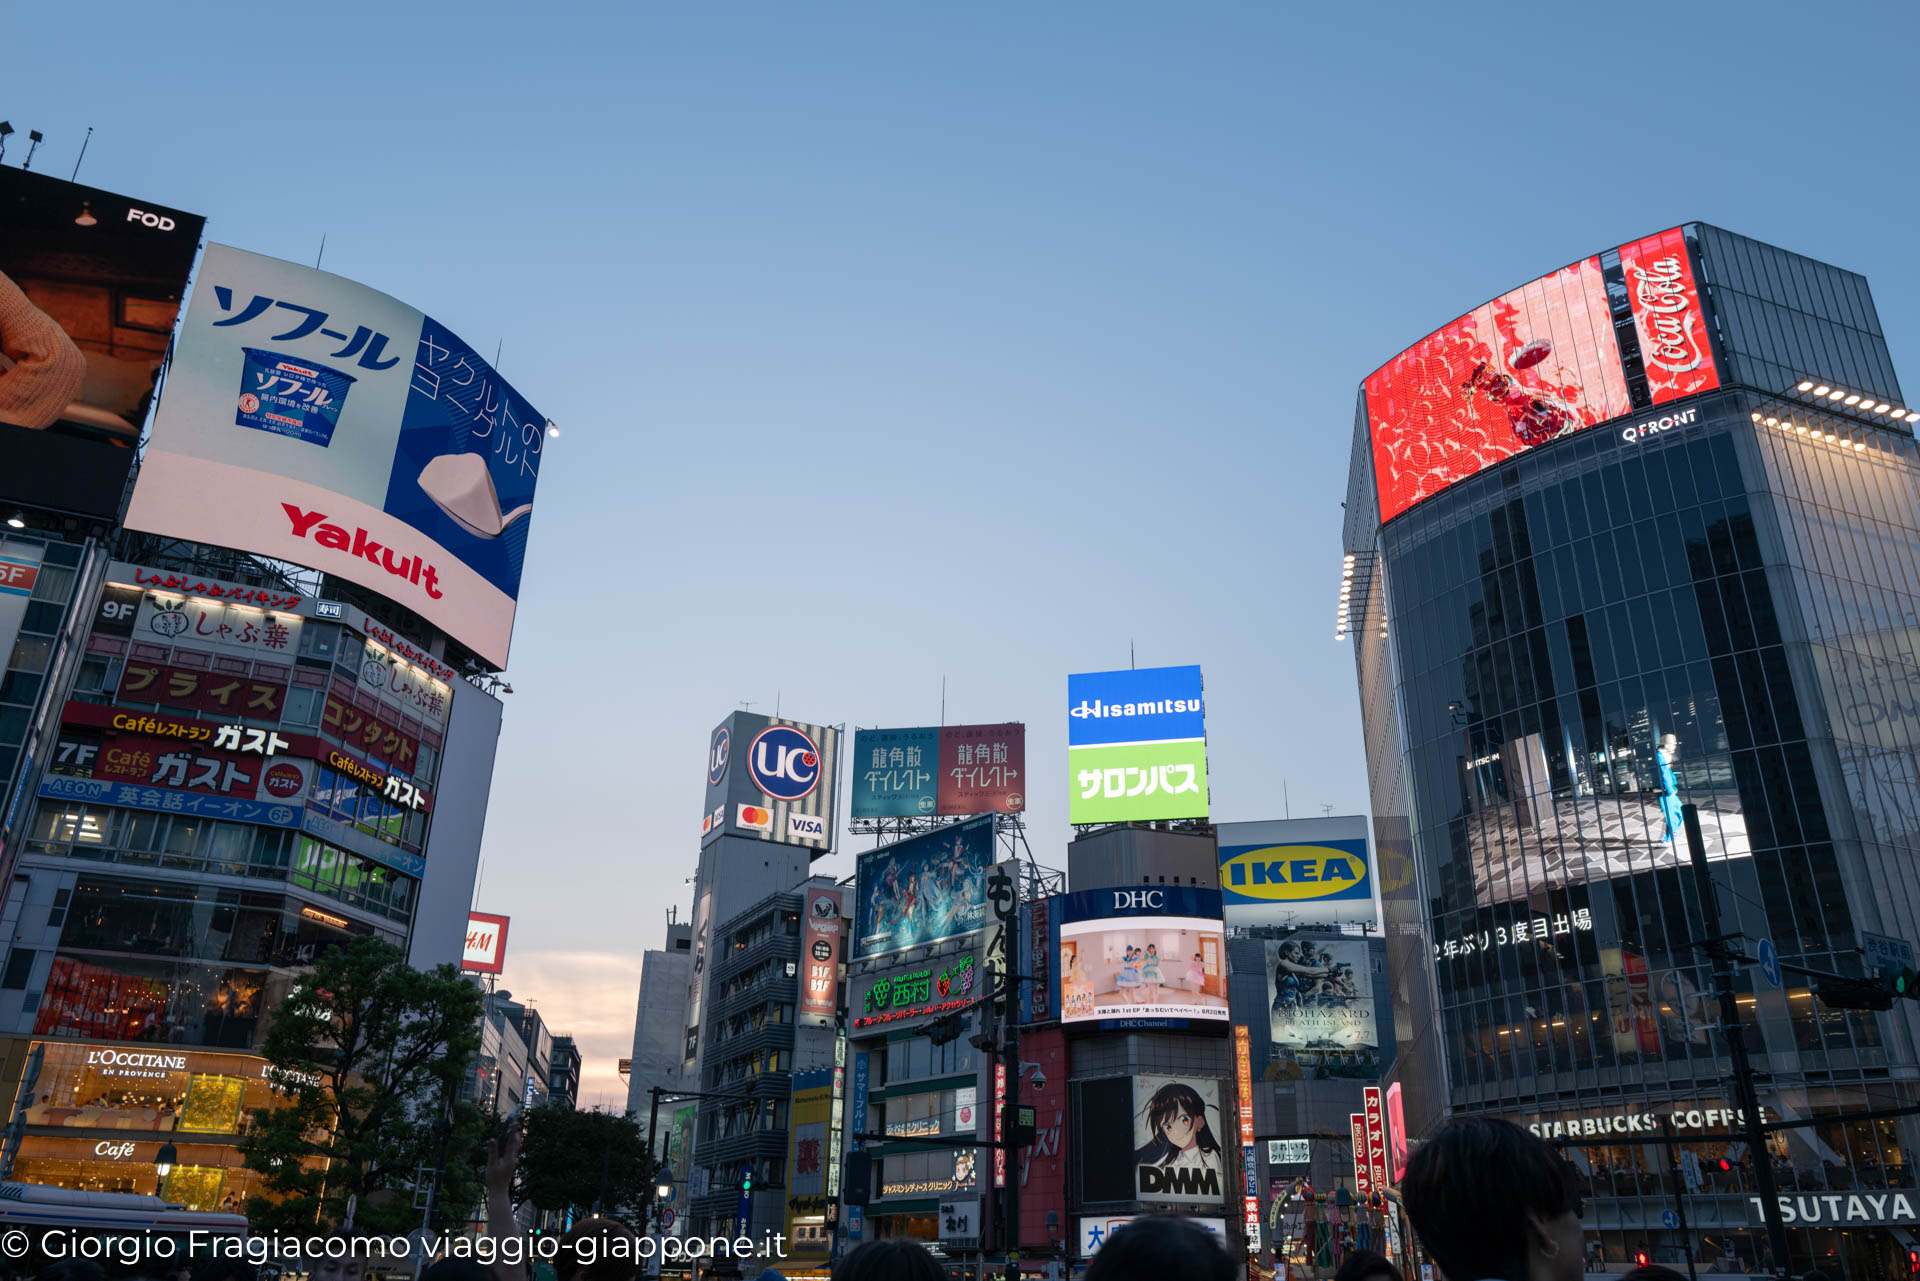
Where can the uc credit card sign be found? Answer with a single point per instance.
(1136, 745)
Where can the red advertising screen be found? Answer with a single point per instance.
(1668, 316)
(1532, 365)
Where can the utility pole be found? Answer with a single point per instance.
(1679, 1201)
(1715, 946)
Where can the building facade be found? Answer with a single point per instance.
(1638, 535)
(756, 1041)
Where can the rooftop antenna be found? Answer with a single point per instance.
(943, 700)
(497, 349)
(83, 153)
(746, 706)
(1326, 811)
(776, 704)
(1130, 663)
(1286, 802)
(34, 138)
(323, 251)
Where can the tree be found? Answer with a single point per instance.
(575, 1161)
(369, 1054)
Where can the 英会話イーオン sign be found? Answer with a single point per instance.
(1136, 745)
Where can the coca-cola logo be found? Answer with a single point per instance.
(1670, 318)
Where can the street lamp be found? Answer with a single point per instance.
(663, 1182)
(163, 1162)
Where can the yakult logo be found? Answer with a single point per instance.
(1653, 426)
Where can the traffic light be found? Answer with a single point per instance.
(1838, 992)
(856, 1178)
(1724, 1165)
(746, 1178)
(943, 1030)
(1913, 1262)
(1903, 983)
(1640, 1259)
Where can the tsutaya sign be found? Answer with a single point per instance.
(1840, 1209)
(1719, 1117)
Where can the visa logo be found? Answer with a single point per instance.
(1283, 872)
(807, 827)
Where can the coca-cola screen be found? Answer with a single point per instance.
(1532, 365)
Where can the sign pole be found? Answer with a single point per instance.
(1716, 948)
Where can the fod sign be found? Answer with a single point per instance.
(486, 944)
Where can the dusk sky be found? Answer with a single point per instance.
(987, 343)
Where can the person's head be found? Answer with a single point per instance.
(455, 1270)
(1178, 1114)
(1365, 1265)
(1155, 1246)
(344, 1258)
(1153, 949)
(1490, 1200)
(1660, 1272)
(890, 1259)
(597, 1249)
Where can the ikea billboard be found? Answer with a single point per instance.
(1300, 872)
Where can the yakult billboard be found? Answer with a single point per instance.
(311, 418)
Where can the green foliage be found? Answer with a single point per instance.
(368, 1052)
(572, 1160)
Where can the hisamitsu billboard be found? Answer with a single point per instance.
(1300, 872)
(1136, 745)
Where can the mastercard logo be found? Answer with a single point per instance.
(756, 818)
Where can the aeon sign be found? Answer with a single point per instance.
(784, 763)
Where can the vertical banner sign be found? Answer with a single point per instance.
(1666, 311)
(1376, 1115)
(821, 944)
(1243, 1080)
(19, 571)
(1040, 959)
(999, 1124)
(1362, 1167)
(1002, 900)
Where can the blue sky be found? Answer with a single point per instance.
(899, 342)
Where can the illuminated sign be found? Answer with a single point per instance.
(1668, 316)
(1539, 929)
(924, 889)
(1362, 1167)
(1243, 1080)
(133, 1063)
(1718, 1117)
(392, 787)
(1094, 1231)
(1298, 872)
(918, 993)
(486, 950)
(1654, 426)
(1376, 1114)
(820, 947)
(1143, 953)
(1289, 1151)
(950, 769)
(1536, 364)
(1136, 745)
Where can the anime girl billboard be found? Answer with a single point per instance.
(1177, 1156)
